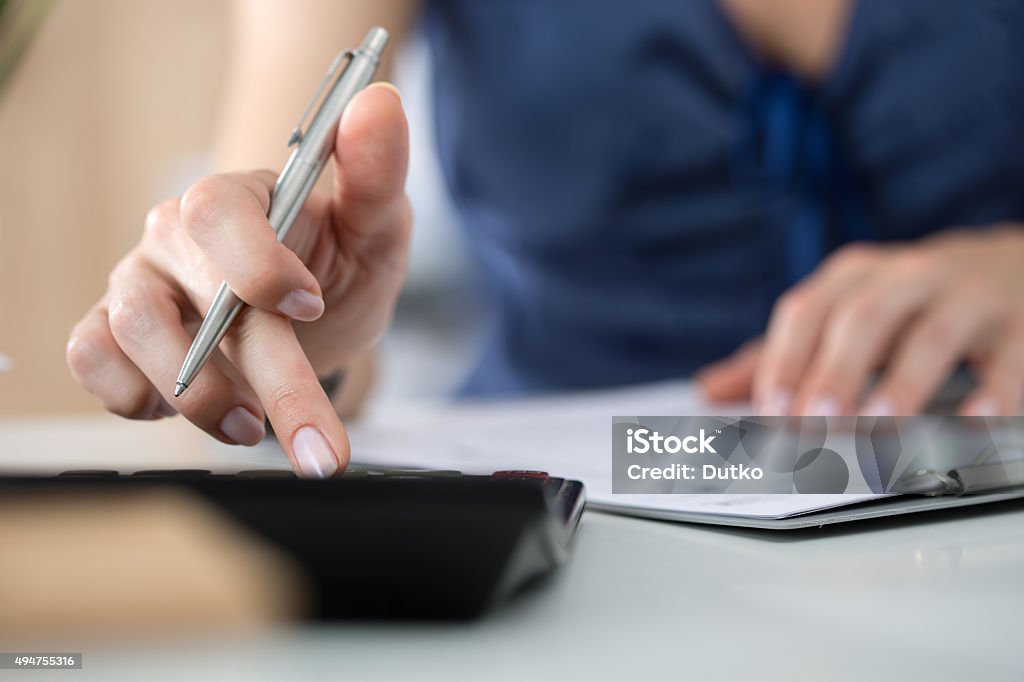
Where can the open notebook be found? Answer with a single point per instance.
(570, 436)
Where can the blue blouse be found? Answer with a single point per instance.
(639, 188)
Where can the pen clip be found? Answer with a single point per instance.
(335, 66)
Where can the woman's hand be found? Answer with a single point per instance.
(912, 311)
(339, 280)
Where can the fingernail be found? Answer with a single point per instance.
(878, 407)
(164, 409)
(301, 305)
(390, 86)
(313, 454)
(822, 406)
(776, 404)
(984, 407)
(242, 426)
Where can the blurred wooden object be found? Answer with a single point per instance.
(110, 110)
(160, 561)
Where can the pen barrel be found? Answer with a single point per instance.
(306, 163)
(223, 311)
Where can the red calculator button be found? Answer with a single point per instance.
(538, 475)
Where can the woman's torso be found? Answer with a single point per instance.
(639, 188)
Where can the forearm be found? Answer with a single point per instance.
(280, 51)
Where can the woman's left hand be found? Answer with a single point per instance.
(912, 312)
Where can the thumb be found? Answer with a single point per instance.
(371, 158)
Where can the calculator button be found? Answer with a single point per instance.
(513, 474)
(267, 473)
(89, 473)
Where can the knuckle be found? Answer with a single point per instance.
(796, 305)
(853, 256)
(160, 219)
(125, 270)
(916, 263)
(286, 403)
(201, 202)
(131, 313)
(82, 354)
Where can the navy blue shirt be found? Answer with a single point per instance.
(639, 188)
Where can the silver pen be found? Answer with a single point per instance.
(312, 149)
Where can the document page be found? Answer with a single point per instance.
(568, 436)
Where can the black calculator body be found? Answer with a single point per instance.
(387, 543)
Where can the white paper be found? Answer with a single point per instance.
(568, 436)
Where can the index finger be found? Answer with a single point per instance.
(264, 348)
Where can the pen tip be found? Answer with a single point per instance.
(179, 388)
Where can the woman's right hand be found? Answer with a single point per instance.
(316, 304)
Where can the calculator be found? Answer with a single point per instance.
(382, 543)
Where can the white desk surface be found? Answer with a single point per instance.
(936, 597)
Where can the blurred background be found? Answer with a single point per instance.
(89, 144)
